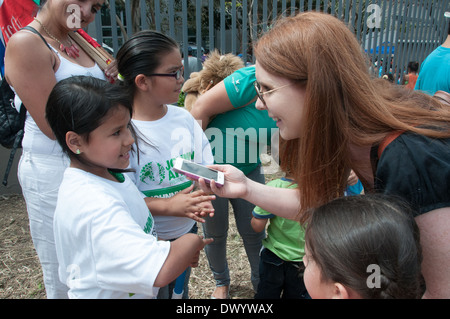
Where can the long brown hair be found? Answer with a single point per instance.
(343, 104)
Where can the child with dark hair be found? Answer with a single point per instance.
(36, 58)
(151, 68)
(363, 246)
(410, 79)
(104, 234)
(281, 264)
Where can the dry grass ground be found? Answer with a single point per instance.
(21, 275)
(20, 271)
(202, 283)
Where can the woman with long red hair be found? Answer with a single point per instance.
(313, 80)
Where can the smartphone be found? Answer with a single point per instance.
(195, 171)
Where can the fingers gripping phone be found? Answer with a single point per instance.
(195, 171)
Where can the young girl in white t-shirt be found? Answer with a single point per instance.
(150, 65)
(104, 232)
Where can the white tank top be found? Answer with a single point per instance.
(34, 140)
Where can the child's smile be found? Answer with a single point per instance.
(109, 144)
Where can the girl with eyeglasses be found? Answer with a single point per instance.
(104, 234)
(150, 66)
(342, 117)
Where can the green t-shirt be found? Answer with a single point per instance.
(285, 237)
(237, 136)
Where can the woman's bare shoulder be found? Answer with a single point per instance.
(27, 49)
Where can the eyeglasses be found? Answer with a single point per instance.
(260, 94)
(177, 75)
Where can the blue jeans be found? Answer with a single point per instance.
(217, 228)
(280, 278)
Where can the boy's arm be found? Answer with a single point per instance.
(258, 224)
(260, 218)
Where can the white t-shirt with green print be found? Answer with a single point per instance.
(105, 239)
(176, 134)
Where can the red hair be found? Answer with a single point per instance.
(343, 104)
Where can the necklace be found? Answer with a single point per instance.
(71, 50)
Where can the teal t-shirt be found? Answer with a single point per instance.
(285, 237)
(434, 72)
(237, 137)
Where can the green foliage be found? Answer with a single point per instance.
(181, 97)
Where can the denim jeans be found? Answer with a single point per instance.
(217, 228)
(280, 278)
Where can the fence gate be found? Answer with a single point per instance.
(392, 32)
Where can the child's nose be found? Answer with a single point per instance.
(130, 139)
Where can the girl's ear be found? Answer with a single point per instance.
(340, 291)
(141, 82)
(74, 142)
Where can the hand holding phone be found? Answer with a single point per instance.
(196, 171)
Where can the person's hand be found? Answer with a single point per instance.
(194, 205)
(235, 185)
(194, 262)
(352, 178)
(207, 210)
(112, 71)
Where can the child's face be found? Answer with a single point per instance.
(166, 89)
(109, 144)
(321, 288)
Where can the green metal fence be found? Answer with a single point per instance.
(392, 32)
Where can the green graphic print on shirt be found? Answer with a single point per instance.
(149, 226)
(154, 173)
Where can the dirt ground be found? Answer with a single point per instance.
(21, 275)
(20, 271)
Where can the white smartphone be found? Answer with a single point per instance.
(195, 171)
